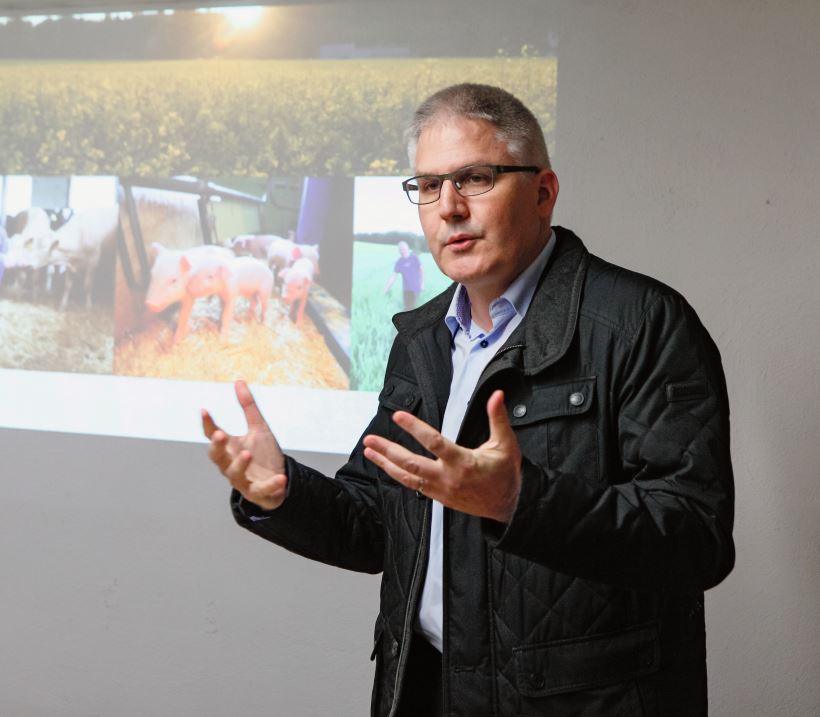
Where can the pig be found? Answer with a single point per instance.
(230, 279)
(309, 251)
(280, 255)
(296, 286)
(171, 273)
(255, 245)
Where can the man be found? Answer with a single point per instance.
(412, 275)
(547, 485)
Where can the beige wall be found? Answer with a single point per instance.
(688, 148)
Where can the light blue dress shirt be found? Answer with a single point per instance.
(472, 350)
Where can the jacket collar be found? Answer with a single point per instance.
(547, 330)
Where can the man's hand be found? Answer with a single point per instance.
(483, 481)
(254, 463)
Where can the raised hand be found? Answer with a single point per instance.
(483, 481)
(254, 463)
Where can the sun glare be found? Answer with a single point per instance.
(241, 18)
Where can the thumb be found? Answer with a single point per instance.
(500, 429)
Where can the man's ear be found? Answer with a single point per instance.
(547, 192)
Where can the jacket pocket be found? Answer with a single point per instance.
(556, 426)
(400, 394)
(578, 664)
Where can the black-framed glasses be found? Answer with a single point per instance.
(468, 181)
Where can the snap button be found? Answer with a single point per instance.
(520, 411)
(576, 399)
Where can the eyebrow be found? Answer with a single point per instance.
(479, 162)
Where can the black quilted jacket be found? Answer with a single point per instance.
(590, 602)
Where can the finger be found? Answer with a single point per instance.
(219, 452)
(236, 472)
(412, 463)
(268, 489)
(252, 413)
(397, 473)
(427, 436)
(500, 429)
(208, 425)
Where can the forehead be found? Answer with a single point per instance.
(450, 143)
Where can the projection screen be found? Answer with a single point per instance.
(194, 196)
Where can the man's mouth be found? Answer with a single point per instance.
(460, 242)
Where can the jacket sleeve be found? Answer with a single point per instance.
(665, 519)
(334, 520)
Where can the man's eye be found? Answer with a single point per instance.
(476, 179)
(429, 185)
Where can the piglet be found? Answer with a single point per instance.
(255, 245)
(231, 278)
(308, 251)
(171, 276)
(296, 286)
(280, 255)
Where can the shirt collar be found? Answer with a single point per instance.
(517, 296)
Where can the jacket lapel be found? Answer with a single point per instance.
(538, 342)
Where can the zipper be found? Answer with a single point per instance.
(410, 610)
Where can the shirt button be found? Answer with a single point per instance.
(576, 399)
(484, 344)
(394, 648)
(520, 410)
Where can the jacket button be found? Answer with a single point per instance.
(577, 398)
(520, 410)
(389, 389)
(536, 682)
(409, 401)
(394, 648)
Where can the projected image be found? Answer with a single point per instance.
(392, 271)
(227, 279)
(194, 196)
(56, 272)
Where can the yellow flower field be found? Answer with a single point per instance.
(235, 117)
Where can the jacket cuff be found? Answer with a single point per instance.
(245, 511)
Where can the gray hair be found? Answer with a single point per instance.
(515, 125)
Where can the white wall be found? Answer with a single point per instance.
(688, 148)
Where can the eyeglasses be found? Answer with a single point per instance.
(468, 181)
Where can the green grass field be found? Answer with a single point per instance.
(214, 118)
(371, 328)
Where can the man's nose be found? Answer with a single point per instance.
(451, 205)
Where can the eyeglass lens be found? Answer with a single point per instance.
(468, 182)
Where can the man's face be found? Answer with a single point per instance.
(484, 241)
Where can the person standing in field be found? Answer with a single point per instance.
(412, 275)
